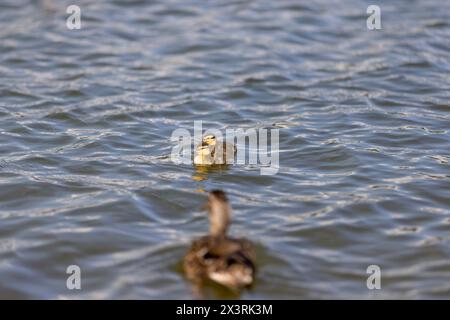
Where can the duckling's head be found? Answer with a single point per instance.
(209, 139)
(219, 213)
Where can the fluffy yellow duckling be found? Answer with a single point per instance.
(203, 155)
(227, 261)
(210, 152)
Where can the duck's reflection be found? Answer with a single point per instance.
(202, 172)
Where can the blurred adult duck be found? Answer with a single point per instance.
(217, 257)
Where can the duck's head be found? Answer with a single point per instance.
(209, 139)
(219, 213)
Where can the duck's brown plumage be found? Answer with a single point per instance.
(223, 153)
(228, 261)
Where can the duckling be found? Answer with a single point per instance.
(203, 155)
(227, 261)
(218, 151)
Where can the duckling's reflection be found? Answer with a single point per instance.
(203, 171)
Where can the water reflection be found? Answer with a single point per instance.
(201, 172)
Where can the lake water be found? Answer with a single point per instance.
(86, 118)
